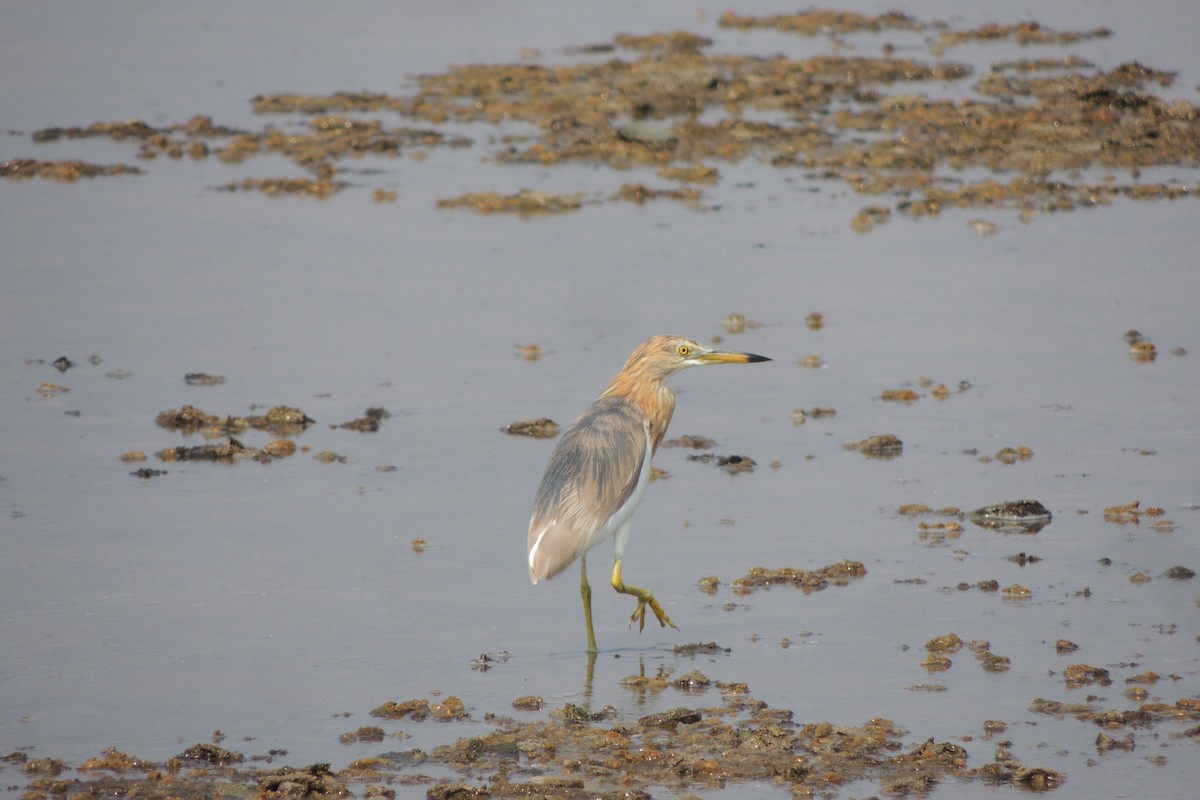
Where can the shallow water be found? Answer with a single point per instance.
(265, 601)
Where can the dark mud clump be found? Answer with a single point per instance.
(203, 379)
(733, 464)
(369, 422)
(1014, 516)
(146, 473)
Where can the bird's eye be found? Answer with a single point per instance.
(683, 350)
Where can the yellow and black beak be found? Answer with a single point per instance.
(727, 357)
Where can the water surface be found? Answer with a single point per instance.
(265, 601)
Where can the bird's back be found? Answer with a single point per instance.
(593, 473)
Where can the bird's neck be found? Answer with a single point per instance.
(652, 396)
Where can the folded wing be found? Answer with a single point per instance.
(592, 474)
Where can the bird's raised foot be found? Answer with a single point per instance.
(639, 614)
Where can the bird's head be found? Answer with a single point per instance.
(661, 356)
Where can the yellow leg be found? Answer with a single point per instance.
(645, 598)
(585, 591)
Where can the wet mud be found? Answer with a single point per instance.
(719, 736)
(1044, 134)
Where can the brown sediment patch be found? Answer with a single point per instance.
(639, 193)
(572, 752)
(919, 509)
(899, 396)
(525, 203)
(839, 574)
(529, 352)
(1031, 126)
(68, 171)
(823, 22)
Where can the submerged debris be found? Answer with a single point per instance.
(367, 733)
(884, 446)
(203, 379)
(68, 171)
(525, 203)
(542, 428)
(733, 464)
(693, 442)
(529, 352)
(146, 473)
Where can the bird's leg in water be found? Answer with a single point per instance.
(585, 591)
(645, 598)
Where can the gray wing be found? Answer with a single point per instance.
(592, 473)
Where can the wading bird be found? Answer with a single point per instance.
(599, 470)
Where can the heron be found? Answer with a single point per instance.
(600, 467)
